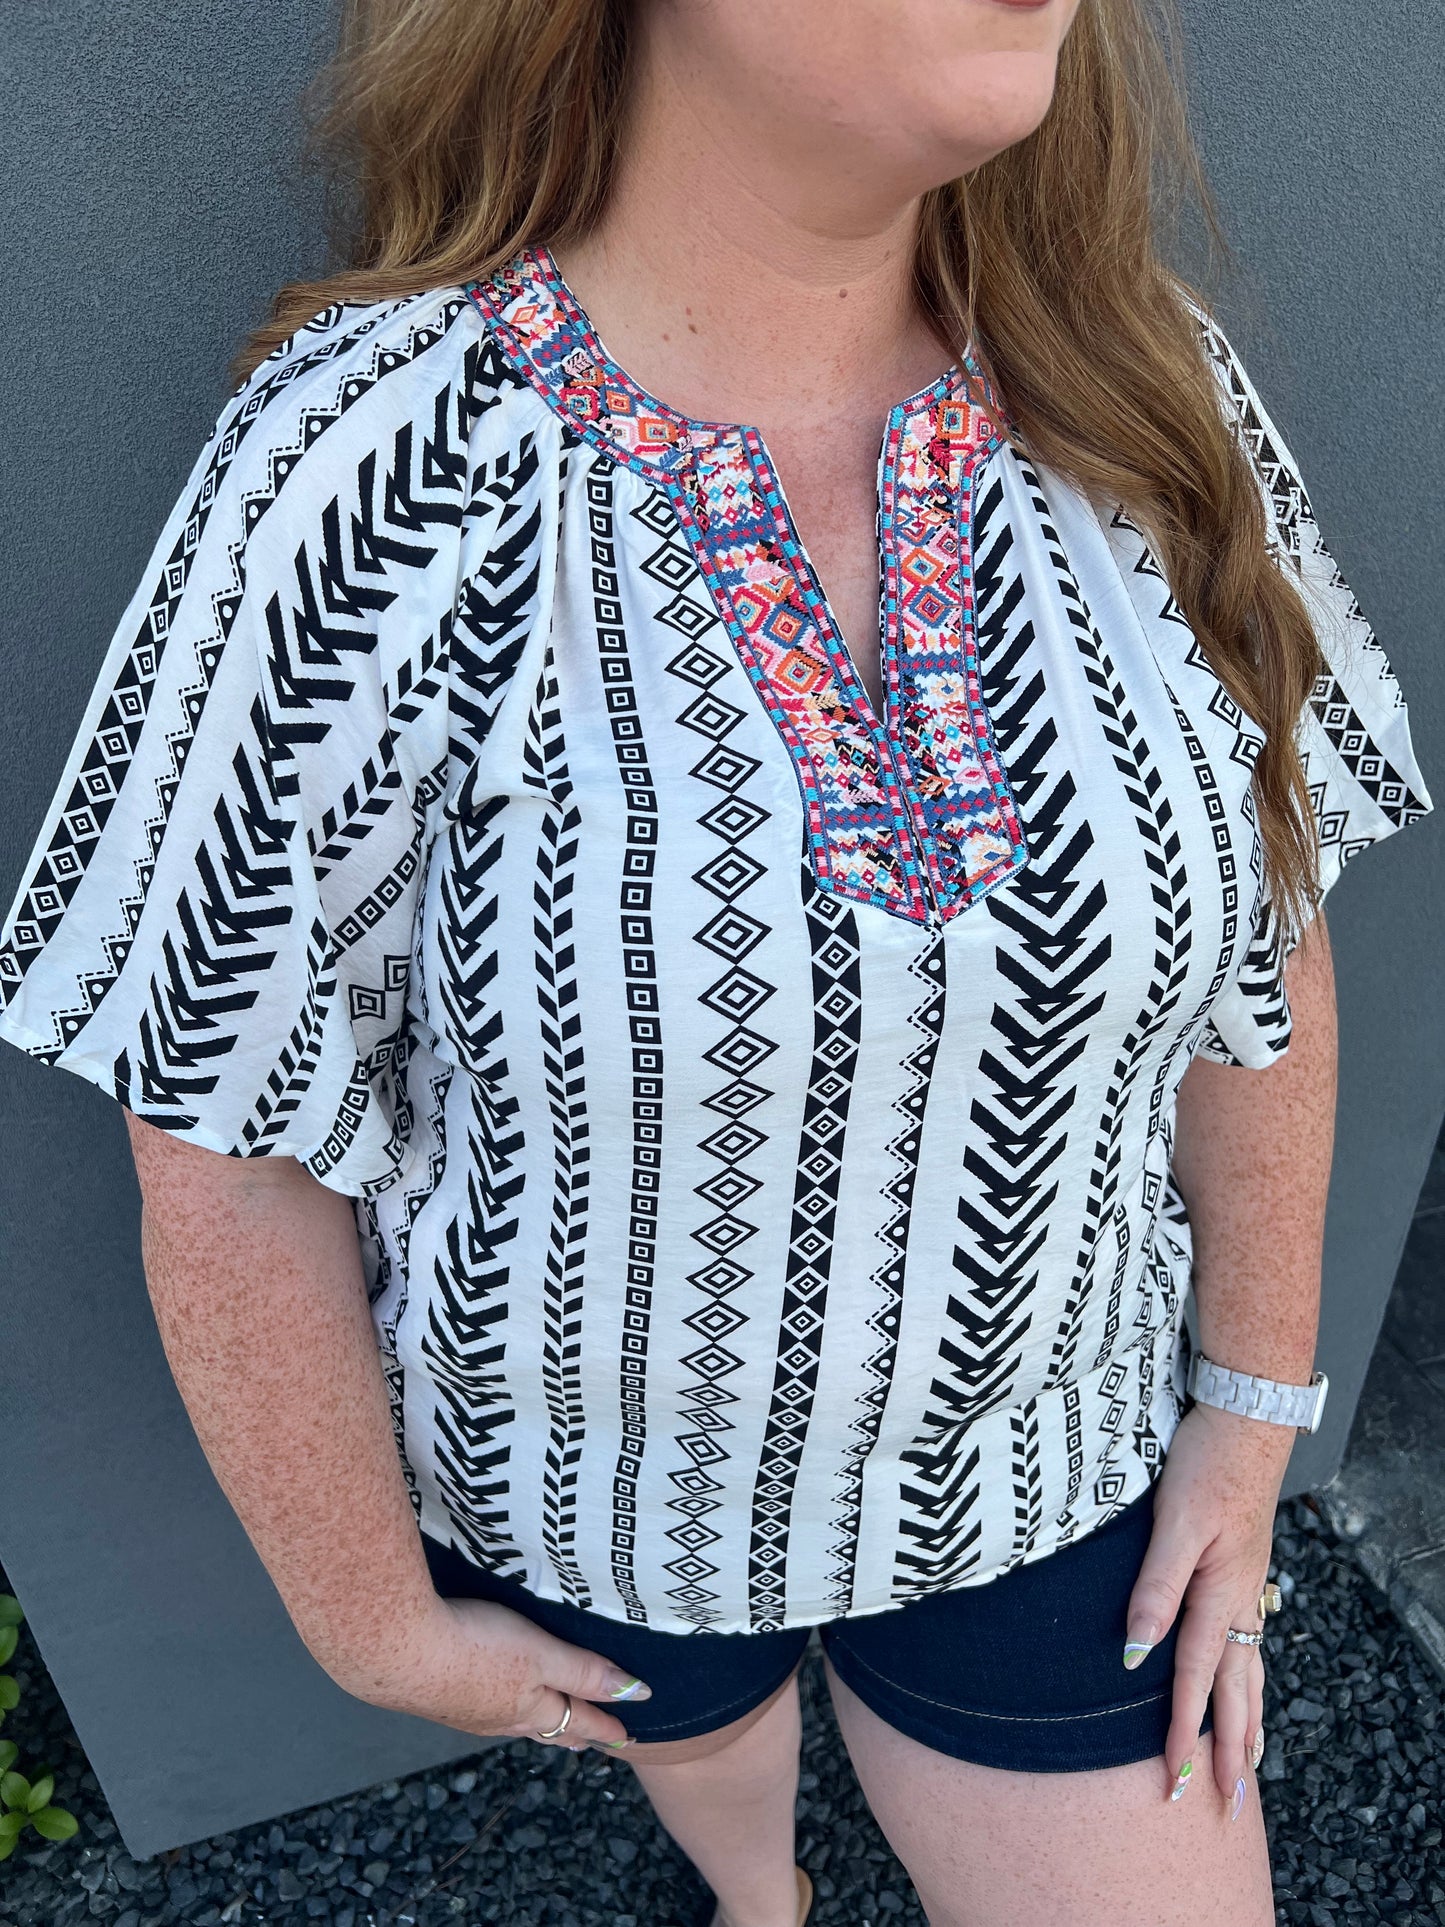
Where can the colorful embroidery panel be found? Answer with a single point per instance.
(970, 825)
(910, 812)
(859, 835)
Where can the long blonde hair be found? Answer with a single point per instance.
(462, 131)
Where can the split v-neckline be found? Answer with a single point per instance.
(909, 810)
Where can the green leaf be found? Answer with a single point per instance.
(9, 1754)
(14, 1789)
(10, 1613)
(54, 1823)
(9, 1640)
(9, 1692)
(40, 1794)
(12, 1824)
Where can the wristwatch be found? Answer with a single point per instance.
(1251, 1397)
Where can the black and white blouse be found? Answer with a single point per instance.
(758, 1108)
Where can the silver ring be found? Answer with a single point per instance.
(1244, 1639)
(562, 1727)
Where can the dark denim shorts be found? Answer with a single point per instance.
(1025, 1671)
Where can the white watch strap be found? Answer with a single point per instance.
(1263, 1398)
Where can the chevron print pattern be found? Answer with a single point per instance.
(132, 672)
(930, 968)
(1169, 885)
(1052, 956)
(758, 1112)
(565, 1081)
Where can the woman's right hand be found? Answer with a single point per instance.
(480, 1667)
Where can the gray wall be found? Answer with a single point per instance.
(153, 206)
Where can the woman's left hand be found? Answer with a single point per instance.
(1214, 1507)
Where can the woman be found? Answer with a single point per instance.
(684, 1045)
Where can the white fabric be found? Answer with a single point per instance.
(743, 1254)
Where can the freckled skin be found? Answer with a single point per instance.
(1252, 1160)
(238, 1254)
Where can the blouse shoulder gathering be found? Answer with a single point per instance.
(1364, 779)
(246, 809)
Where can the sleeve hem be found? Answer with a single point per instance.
(92, 1072)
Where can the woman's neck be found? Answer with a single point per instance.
(743, 279)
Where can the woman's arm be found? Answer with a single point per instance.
(1252, 1162)
(254, 1271)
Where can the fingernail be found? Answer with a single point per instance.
(1182, 1782)
(1239, 1792)
(633, 1690)
(1257, 1750)
(617, 1744)
(1136, 1651)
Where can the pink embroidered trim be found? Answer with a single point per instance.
(854, 800)
(907, 812)
(971, 829)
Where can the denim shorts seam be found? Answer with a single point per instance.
(745, 1701)
(1017, 1719)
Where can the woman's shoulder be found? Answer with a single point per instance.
(420, 363)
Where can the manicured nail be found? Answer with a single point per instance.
(633, 1690)
(1239, 1792)
(1257, 1750)
(617, 1744)
(1136, 1651)
(1182, 1782)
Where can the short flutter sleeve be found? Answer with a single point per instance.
(1353, 732)
(216, 924)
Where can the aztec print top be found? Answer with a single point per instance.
(758, 1110)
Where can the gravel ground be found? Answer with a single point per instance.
(1351, 1778)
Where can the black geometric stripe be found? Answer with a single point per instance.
(1259, 974)
(930, 968)
(644, 1027)
(1164, 1076)
(1292, 534)
(1026, 1477)
(1163, 1290)
(837, 1016)
(1360, 754)
(735, 997)
(393, 1251)
(1162, 851)
(243, 882)
(1051, 958)
(1159, 1296)
(565, 1083)
(464, 1340)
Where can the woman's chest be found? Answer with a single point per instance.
(689, 795)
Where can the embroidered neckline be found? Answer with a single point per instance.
(910, 811)
(597, 388)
